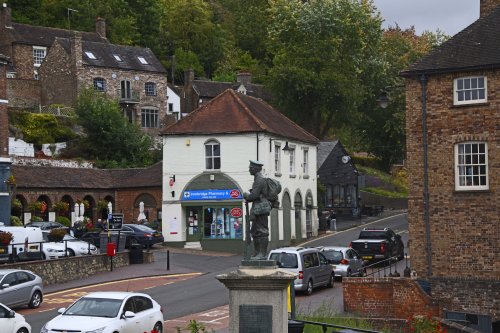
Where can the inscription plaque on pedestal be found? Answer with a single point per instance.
(256, 319)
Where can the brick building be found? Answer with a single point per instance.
(453, 132)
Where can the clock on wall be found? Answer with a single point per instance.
(346, 159)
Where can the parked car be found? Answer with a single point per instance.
(345, 261)
(377, 244)
(141, 234)
(10, 321)
(20, 287)
(107, 312)
(69, 244)
(308, 264)
(46, 225)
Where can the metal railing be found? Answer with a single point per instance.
(382, 266)
(325, 326)
(57, 110)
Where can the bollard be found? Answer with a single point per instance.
(168, 260)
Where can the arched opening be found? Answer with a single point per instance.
(90, 207)
(297, 203)
(70, 204)
(19, 205)
(149, 206)
(41, 208)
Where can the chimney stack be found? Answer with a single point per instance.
(487, 6)
(244, 78)
(188, 77)
(6, 16)
(100, 27)
(4, 118)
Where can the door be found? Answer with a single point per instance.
(194, 224)
(6, 323)
(8, 291)
(324, 268)
(287, 219)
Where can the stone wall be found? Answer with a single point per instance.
(23, 93)
(386, 298)
(71, 268)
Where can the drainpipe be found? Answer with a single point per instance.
(257, 137)
(423, 83)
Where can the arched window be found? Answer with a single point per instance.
(212, 155)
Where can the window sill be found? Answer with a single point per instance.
(277, 174)
(305, 176)
(479, 104)
(471, 191)
(293, 176)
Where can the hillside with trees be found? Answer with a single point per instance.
(325, 61)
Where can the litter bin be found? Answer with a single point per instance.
(136, 255)
(295, 326)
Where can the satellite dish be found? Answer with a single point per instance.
(346, 159)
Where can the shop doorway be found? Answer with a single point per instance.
(194, 224)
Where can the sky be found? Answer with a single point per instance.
(449, 16)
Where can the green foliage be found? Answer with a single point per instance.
(16, 221)
(64, 220)
(41, 128)
(321, 51)
(398, 181)
(110, 139)
(36, 219)
(423, 324)
(57, 234)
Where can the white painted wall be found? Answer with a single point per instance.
(184, 157)
(175, 99)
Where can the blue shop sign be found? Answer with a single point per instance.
(211, 195)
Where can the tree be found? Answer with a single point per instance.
(381, 131)
(321, 49)
(109, 138)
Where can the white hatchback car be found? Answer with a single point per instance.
(108, 312)
(74, 246)
(10, 321)
(346, 261)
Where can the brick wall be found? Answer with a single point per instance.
(23, 93)
(386, 298)
(4, 116)
(463, 224)
(126, 199)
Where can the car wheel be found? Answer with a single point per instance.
(44, 257)
(158, 327)
(309, 289)
(331, 281)
(35, 300)
(71, 253)
(22, 330)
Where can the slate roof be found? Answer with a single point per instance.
(476, 47)
(104, 53)
(86, 178)
(209, 89)
(324, 150)
(232, 112)
(44, 36)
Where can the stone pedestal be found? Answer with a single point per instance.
(258, 297)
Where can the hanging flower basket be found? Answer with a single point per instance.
(5, 238)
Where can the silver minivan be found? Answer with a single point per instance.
(308, 264)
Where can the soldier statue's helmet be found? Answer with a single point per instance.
(256, 163)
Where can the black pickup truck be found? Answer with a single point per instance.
(378, 244)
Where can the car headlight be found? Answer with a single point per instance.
(97, 330)
(54, 250)
(44, 329)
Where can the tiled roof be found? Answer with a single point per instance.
(86, 178)
(475, 47)
(324, 149)
(104, 54)
(232, 112)
(44, 36)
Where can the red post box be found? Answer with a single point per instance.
(111, 249)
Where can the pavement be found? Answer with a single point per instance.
(214, 319)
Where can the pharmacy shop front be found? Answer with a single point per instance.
(214, 217)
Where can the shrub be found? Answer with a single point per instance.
(16, 221)
(64, 220)
(423, 324)
(56, 235)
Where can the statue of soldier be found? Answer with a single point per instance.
(258, 196)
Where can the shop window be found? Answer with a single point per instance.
(220, 224)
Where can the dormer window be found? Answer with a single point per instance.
(142, 60)
(90, 55)
(117, 57)
(470, 90)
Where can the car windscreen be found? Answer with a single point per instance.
(142, 228)
(285, 260)
(333, 256)
(94, 307)
(372, 235)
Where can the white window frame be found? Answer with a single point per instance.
(97, 81)
(150, 117)
(467, 90)
(471, 166)
(39, 53)
(211, 155)
(277, 159)
(291, 154)
(305, 162)
(150, 89)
